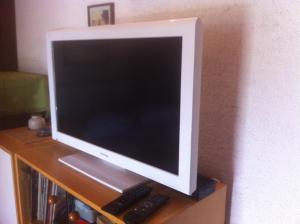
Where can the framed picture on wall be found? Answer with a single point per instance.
(101, 14)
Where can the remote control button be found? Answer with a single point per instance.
(145, 209)
(127, 199)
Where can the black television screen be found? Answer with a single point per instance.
(122, 95)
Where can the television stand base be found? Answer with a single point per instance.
(103, 172)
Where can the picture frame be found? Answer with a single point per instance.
(101, 14)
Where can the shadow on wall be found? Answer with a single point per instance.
(223, 44)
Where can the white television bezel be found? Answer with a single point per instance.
(190, 31)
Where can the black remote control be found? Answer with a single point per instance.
(145, 209)
(127, 199)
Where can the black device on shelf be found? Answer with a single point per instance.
(145, 209)
(127, 199)
(44, 132)
(205, 186)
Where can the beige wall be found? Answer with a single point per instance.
(250, 104)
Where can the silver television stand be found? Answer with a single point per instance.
(103, 172)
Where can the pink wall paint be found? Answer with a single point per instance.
(250, 104)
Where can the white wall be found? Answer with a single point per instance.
(8, 208)
(250, 115)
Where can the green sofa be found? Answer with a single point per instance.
(21, 95)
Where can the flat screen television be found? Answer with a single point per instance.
(129, 94)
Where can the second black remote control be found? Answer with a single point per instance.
(127, 199)
(145, 209)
